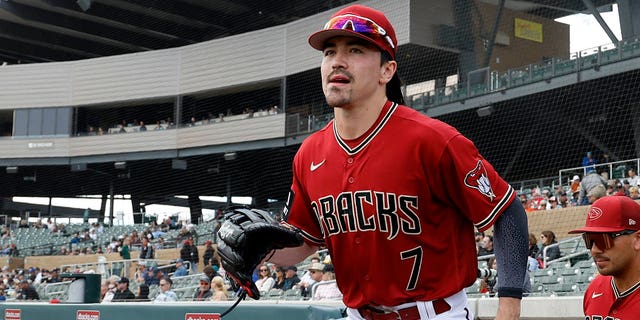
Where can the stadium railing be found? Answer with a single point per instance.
(591, 58)
(615, 169)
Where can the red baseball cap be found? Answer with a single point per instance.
(362, 22)
(612, 214)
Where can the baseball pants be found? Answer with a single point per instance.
(458, 309)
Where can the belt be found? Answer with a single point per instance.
(409, 313)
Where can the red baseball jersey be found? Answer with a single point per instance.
(396, 207)
(603, 301)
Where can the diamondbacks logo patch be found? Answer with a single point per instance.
(478, 179)
(594, 213)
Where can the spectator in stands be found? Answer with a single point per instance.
(146, 249)
(634, 193)
(124, 250)
(290, 277)
(142, 126)
(590, 181)
(553, 203)
(265, 282)
(327, 289)
(307, 274)
(123, 293)
(553, 252)
(533, 246)
(479, 237)
(159, 244)
(564, 200)
(210, 272)
(204, 293)
(27, 291)
(141, 271)
(487, 284)
(13, 250)
(633, 178)
(219, 290)
(142, 293)
(487, 246)
(208, 253)
(589, 163)
(278, 276)
(181, 271)
(315, 270)
(75, 239)
(596, 193)
(574, 189)
(154, 275)
(166, 294)
(189, 252)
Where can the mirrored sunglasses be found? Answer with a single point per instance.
(604, 241)
(358, 24)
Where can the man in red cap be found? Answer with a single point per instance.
(375, 185)
(611, 233)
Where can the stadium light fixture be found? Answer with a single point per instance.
(230, 156)
(485, 111)
(120, 165)
(12, 170)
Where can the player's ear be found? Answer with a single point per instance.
(636, 240)
(387, 70)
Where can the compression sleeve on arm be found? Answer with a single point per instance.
(511, 243)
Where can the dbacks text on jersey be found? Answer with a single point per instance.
(350, 212)
(600, 318)
(478, 179)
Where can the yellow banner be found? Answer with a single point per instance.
(529, 30)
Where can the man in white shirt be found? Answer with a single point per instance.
(166, 294)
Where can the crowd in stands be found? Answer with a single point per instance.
(135, 125)
(316, 283)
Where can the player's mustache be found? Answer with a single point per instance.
(340, 72)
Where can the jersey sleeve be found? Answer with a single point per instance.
(298, 212)
(471, 183)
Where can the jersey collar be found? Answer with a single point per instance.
(629, 291)
(368, 136)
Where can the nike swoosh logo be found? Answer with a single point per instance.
(316, 166)
(595, 295)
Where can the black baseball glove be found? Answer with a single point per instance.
(244, 240)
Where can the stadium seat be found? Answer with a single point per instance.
(292, 294)
(563, 289)
(273, 294)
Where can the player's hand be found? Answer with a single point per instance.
(508, 309)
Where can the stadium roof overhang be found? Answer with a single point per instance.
(62, 30)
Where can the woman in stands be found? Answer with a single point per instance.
(265, 282)
(219, 290)
(142, 293)
(548, 239)
(279, 278)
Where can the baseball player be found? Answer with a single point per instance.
(383, 184)
(611, 233)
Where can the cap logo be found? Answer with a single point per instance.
(594, 213)
(632, 222)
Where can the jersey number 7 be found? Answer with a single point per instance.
(416, 254)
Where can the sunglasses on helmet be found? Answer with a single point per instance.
(358, 24)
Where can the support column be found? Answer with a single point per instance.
(103, 206)
(195, 208)
(138, 215)
(629, 14)
(111, 203)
